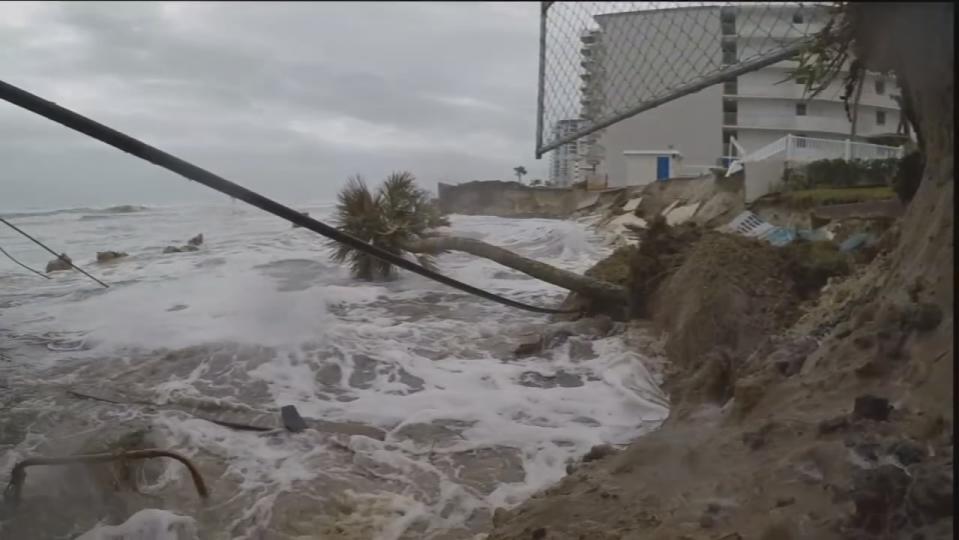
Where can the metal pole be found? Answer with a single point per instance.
(12, 258)
(158, 157)
(18, 476)
(855, 114)
(540, 111)
(55, 254)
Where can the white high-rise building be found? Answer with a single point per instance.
(630, 50)
(564, 164)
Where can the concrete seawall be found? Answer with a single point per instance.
(512, 199)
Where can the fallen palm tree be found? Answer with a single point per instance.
(400, 218)
(172, 163)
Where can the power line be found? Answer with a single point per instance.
(37, 272)
(57, 255)
(121, 141)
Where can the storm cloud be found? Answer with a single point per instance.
(287, 98)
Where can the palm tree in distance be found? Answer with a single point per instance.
(400, 218)
(519, 171)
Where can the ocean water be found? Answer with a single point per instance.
(259, 318)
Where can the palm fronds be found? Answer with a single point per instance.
(397, 214)
(358, 213)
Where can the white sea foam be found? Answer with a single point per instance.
(259, 316)
(149, 524)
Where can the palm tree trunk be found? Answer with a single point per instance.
(855, 110)
(589, 287)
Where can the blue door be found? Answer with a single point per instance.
(662, 167)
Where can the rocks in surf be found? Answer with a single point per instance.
(61, 263)
(107, 256)
(192, 244)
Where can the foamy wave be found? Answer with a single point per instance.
(118, 209)
(273, 322)
(149, 524)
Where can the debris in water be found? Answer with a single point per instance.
(18, 476)
(872, 408)
(242, 418)
(292, 420)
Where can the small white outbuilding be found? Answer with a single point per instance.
(647, 166)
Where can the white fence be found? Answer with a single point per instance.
(793, 149)
(764, 167)
(803, 149)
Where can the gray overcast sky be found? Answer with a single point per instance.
(287, 98)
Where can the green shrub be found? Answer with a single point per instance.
(841, 173)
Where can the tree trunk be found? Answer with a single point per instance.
(916, 42)
(922, 56)
(855, 111)
(589, 287)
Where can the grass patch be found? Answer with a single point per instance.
(824, 196)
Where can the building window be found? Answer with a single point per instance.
(880, 86)
(800, 109)
(880, 118)
(797, 18)
(801, 80)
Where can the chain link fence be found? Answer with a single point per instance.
(603, 62)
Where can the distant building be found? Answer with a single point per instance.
(564, 166)
(756, 109)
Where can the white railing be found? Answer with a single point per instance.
(802, 149)
(768, 151)
(805, 149)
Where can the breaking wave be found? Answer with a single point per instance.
(259, 318)
(118, 209)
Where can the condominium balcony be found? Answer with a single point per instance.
(807, 124)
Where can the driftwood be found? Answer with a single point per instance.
(19, 475)
(246, 419)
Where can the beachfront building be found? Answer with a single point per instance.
(755, 109)
(565, 160)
